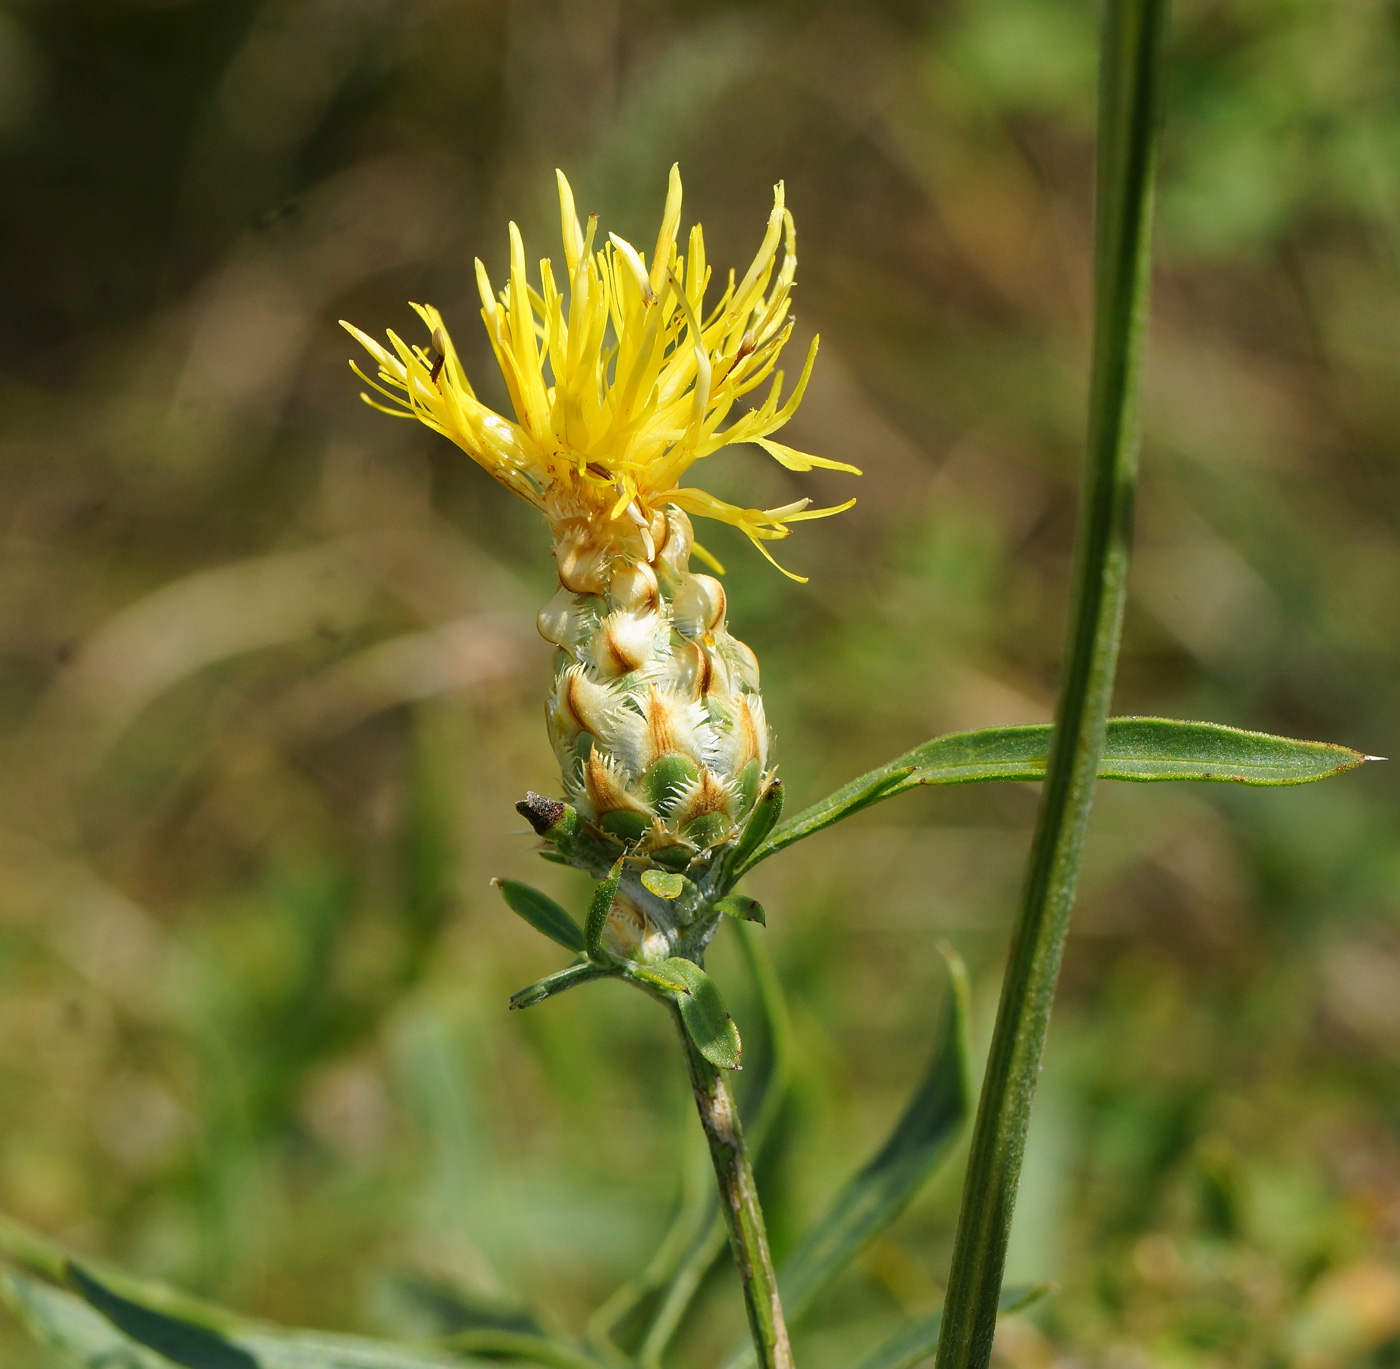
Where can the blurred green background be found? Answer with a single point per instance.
(269, 682)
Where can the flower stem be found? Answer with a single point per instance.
(1130, 82)
(738, 1200)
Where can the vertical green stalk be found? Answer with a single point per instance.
(1130, 88)
(738, 1200)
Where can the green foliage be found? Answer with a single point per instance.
(125, 1334)
(268, 683)
(543, 913)
(745, 909)
(707, 1020)
(598, 909)
(1142, 750)
(580, 972)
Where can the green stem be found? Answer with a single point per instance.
(702, 1253)
(1130, 82)
(738, 1200)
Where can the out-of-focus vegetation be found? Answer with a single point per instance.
(269, 682)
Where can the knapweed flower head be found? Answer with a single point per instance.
(621, 382)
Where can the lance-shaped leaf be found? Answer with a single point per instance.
(65, 1323)
(182, 1341)
(580, 972)
(598, 911)
(1141, 750)
(919, 1339)
(542, 913)
(101, 1329)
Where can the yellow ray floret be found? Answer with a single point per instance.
(621, 381)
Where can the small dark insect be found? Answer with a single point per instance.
(439, 346)
(437, 369)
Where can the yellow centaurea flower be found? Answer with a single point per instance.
(622, 384)
(619, 383)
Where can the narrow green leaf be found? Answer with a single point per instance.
(916, 1341)
(745, 909)
(542, 913)
(30, 1250)
(666, 884)
(104, 1330)
(764, 818)
(184, 1342)
(66, 1323)
(580, 972)
(706, 1018)
(1141, 750)
(598, 912)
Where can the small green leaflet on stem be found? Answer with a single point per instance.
(744, 908)
(667, 884)
(707, 1021)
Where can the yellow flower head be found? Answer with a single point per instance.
(621, 385)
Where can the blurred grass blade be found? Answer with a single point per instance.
(30, 1250)
(542, 913)
(103, 1330)
(916, 1341)
(580, 972)
(1142, 750)
(39, 1255)
(930, 1124)
(196, 1347)
(65, 1323)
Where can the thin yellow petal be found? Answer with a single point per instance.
(801, 461)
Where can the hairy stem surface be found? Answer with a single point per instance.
(738, 1200)
(1130, 82)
